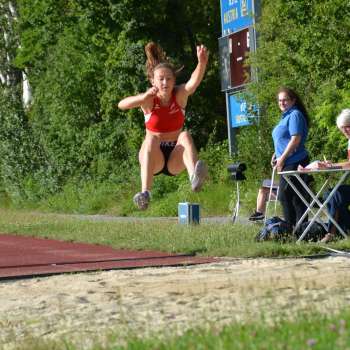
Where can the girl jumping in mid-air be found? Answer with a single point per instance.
(166, 148)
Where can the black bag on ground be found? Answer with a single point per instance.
(315, 233)
(275, 229)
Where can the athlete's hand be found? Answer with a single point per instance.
(202, 54)
(151, 92)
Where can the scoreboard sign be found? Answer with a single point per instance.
(233, 51)
(239, 112)
(236, 15)
(238, 39)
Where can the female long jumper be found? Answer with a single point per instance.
(167, 148)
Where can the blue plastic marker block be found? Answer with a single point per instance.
(188, 213)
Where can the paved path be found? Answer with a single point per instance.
(213, 219)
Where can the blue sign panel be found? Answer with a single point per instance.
(236, 15)
(239, 113)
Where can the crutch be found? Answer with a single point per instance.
(236, 207)
(272, 185)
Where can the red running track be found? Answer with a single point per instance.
(22, 256)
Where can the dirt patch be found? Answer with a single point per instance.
(86, 306)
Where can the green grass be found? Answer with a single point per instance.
(209, 239)
(306, 332)
(315, 331)
(116, 199)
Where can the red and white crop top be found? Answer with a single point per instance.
(165, 118)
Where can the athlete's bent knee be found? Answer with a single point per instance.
(151, 142)
(185, 138)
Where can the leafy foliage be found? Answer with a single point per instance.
(83, 56)
(304, 45)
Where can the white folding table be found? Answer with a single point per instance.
(342, 175)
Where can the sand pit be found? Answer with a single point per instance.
(85, 306)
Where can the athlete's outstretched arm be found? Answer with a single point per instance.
(198, 73)
(137, 100)
(187, 89)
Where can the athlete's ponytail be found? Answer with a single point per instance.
(156, 58)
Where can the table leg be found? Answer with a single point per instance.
(314, 199)
(322, 206)
(341, 180)
(309, 206)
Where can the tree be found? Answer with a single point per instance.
(84, 56)
(303, 44)
(16, 144)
